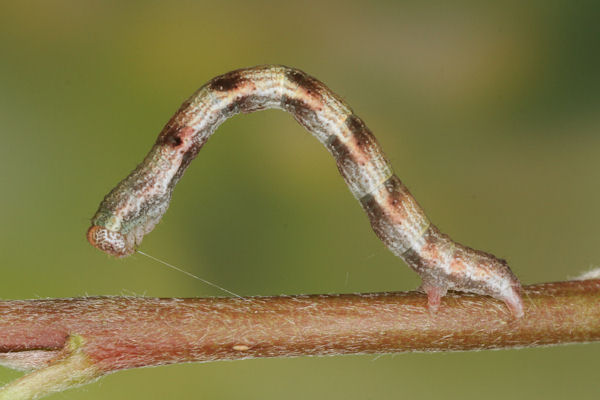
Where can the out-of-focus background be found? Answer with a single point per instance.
(489, 113)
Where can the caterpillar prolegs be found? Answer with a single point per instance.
(137, 203)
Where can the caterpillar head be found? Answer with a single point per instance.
(110, 242)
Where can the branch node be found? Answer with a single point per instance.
(72, 368)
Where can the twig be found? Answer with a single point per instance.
(84, 338)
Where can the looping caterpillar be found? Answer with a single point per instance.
(137, 203)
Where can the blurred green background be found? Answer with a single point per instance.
(489, 113)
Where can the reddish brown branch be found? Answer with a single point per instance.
(128, 332)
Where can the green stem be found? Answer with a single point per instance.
(72, 369)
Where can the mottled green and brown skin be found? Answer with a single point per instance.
(136, 205)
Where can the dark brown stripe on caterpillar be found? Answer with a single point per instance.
(226, 82)
(395, 216)
(245, 104)
(302, 112)
(305, 81)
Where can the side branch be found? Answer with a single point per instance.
(126, 332)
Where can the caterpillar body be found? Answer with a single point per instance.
(137, 203)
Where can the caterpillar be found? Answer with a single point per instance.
(137, 203)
